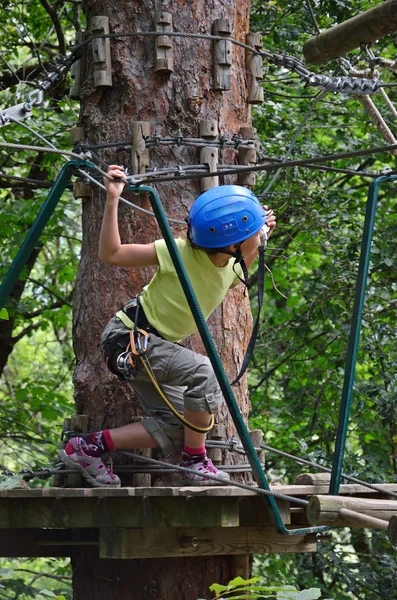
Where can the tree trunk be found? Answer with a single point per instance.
(179, 100)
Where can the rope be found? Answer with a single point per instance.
(233, 445)
(304, 162)
(222, 141)
(277, 163)
(52, 148)
(216, 478)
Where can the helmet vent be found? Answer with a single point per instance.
(212, 229)
(245, 219)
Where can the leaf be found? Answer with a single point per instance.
(4, 314)
(6, 572)
(10, 483)
(311, 594)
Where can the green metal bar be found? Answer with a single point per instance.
(36, 229)
(354, 338)
(241, 428)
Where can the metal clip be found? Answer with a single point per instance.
(35, 97)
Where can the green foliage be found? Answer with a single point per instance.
(241, 589)
(39, 579)
(297, 374)
(297, 377)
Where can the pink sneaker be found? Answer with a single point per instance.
(203, 468)
(92, 468)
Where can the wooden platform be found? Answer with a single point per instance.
(153, 522)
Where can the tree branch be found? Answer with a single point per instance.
(57, 24)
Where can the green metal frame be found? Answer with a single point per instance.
(36, 229)
(260, 477)
(354, 337)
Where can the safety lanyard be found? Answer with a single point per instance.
(255, 329)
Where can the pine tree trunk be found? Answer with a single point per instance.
(169, 102)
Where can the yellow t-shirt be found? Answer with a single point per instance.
(164, 301)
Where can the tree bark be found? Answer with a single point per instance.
(179, 100)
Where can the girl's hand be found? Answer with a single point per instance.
(270, 221)
(114, 188)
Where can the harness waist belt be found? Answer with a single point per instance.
(135, 316)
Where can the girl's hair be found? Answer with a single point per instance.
(185, 236)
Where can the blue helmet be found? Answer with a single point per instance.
(225, 215)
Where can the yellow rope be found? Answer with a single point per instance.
(148, 368)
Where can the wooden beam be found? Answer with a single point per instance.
(45, 542)
(362, 29)
(358, 520)
(153, 543)
(142, 512)
(326, 510)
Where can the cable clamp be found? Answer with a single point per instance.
(15, 113)
(223, 139)
(35, 97)
(387, 171)
(27, 474)
(8, 473)
(234, 443)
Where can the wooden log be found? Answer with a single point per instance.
(254, 64)
(209, 155)
(362, 29)
(222, 55)
(325, 510)
(163, 44)
(312, 479)
(152, 543)
(78, 424)
(247, 156)
(101, 52)
(59, 479)
(392, 531)
(359, 520)
(217, 433)
(81, 190)
(140, 159)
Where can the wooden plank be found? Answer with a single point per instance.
(253, 511)
(152, 543)
(45, 542)
(211, 491)
(362, 29)
(143, 512)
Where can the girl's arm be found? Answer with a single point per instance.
(111, 250)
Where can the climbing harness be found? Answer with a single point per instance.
(125, 363)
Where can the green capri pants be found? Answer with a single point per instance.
(186, 378)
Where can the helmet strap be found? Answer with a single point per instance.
(238, 260)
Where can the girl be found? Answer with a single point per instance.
(224, 223)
